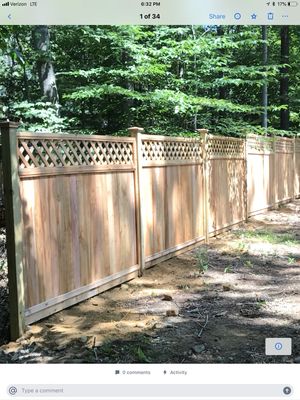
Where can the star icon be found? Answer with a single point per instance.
(253, 16)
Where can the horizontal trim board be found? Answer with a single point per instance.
(161, 138)
(173, 249)
(260, 154)
(153, 164)
(59, 303)
(225, 228)
(216, 158)
(150, 264)
(66, 136)
(262, 210)
(74, 170)
(224, 138)
(285, 201)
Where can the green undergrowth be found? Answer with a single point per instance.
(268, 236)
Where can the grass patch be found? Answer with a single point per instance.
(267, 236)
(202, 259)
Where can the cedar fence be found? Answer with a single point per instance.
(86, 213)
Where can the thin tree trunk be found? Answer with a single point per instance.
(41, 39)
(222, 90)
(25, 79)
(195, 74)
(264, 122)
(284, 79)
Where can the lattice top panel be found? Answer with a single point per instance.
(45, 152)
(297, 146)
(171, 150)
(260, 145)
(284, 145)
(223, 147)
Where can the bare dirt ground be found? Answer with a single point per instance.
(213, 305)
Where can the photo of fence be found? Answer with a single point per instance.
(86, 213)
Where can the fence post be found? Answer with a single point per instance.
(246, 180)
(295, 172)
(276, 183)
(204, 133)
(137, 134)
(14, 230)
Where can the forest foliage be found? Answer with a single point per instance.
(167, 79)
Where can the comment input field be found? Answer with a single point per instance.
(156, 391)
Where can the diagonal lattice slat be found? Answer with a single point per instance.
(53, 153)
(225, 148)
(168, 150)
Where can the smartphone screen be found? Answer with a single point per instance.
(149, 199)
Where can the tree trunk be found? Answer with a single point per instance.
(25, 79)
(222, 90)
(284, 79)
(264, 122)
(41, 39)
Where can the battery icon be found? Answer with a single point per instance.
(292, 3)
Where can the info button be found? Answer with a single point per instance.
(278, 346)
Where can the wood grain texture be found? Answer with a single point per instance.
(261, 182)
(173, 206)
(96, 210)
(77, 230)
(297, 176)
(226, 193)
(69, 299)
(14, 228)
(136, 133)
(285, 176)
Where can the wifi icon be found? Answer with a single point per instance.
(5, 4)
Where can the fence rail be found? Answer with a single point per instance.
(86, 213)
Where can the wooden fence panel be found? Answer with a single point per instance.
(79, 228)
(261, 188)
(86, 213)
(285, 170)
(173, 186)
(226, 182)
(297, 167)
(2, 213)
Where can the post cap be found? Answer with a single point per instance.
(134, 130)
(202, 131)
(9, 124)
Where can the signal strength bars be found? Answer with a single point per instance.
(5, 4)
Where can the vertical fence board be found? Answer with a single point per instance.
(206, 176)
(2, 208)
(136, 133)
(297, 167)
(14, 228)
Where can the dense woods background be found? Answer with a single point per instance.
(170, 80)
